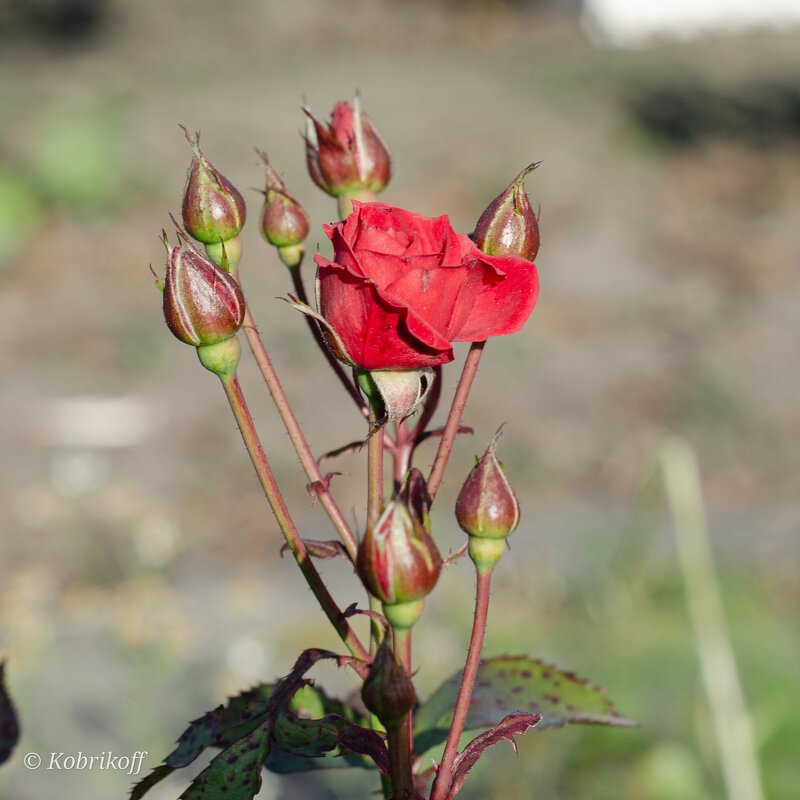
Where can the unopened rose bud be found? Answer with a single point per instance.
(487, 509)
(398, 560)
(509, 226)
(388, 691)
(349, 156)
(213, 209)
(284, 222)
(203, 304)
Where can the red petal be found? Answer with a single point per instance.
(503, 307)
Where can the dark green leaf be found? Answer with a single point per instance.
(9, 725)
(220, 727)
(235, 774)
(515, 683)
(286, 727)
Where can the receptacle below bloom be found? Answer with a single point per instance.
(401, 287)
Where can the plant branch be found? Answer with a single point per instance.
(296, 436)
(444, 775)
(233, 391)
(399, 739)
(454, 418)
(374, 470)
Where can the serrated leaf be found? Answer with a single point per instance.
(302, 744)
(9, 724)
(515, 683)
(514, 724)
(217, 728)
(271, 726)
(207, 730)
(235, 774)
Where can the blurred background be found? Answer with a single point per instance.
(140, 577)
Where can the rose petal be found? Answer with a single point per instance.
(503, 307)
(372, 329)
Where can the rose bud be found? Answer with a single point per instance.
(284, 222)
(348, 156)
(509, 226)
(388, 691)
(401, 287)
(487, 506)
(213, 210)
(487, 509)
(203, 304)
(398, 560)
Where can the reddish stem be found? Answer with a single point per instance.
(444, 775)
(454, 418)
(233, 391)
(296, 436)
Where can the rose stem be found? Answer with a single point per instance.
(399, 739)
(336, 366)
(429, 407)
(230, 383)
(443, 776)
(296, 434)
(374, 468)
(406, 441)
(456, 410)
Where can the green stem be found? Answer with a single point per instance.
(230, 383)
(374, 503)
(399, 740)
(444, 775)
(374, 469)
(296, 436)
(454, 418)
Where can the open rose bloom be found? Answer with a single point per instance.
(401, 287)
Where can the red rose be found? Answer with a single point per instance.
(402, 287)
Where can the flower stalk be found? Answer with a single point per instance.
(445, 771)
(454, 418)
(233, 391)
(307, 460)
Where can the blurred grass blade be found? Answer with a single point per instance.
(730, 719)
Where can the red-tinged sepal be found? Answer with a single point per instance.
(203, 304)
(348, 155)
(388, 691)
(284, 222)
(398, 561)
(509, 226)
(487, 506)
(213, 208)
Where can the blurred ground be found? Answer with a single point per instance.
(139, 574)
